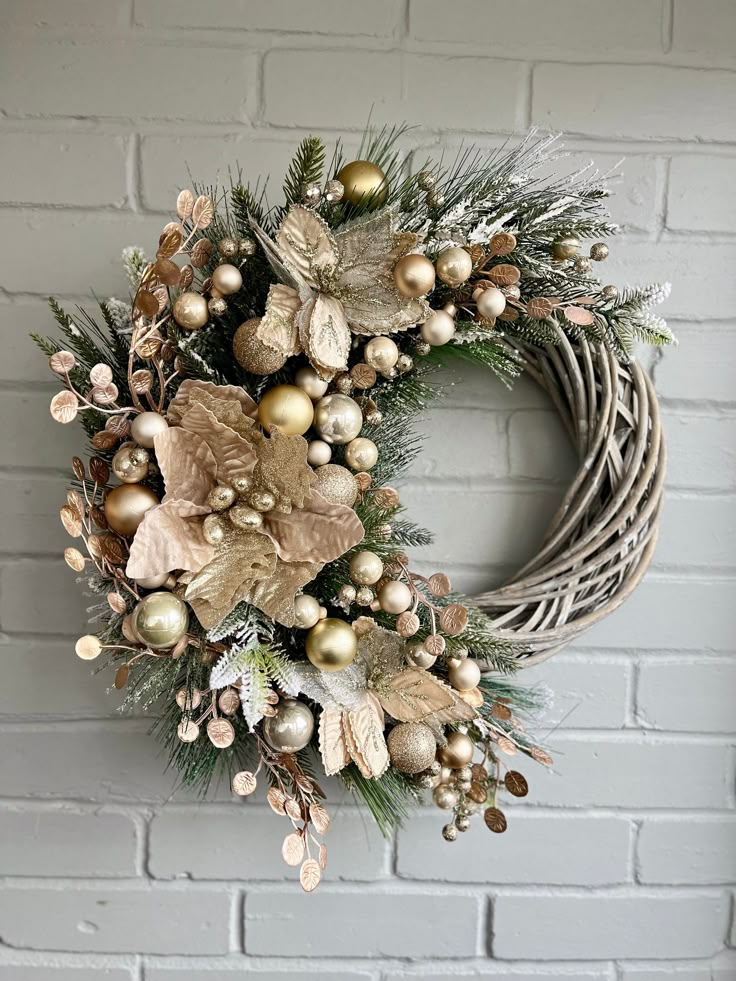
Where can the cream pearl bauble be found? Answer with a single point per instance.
(414, 275)
(381, 353)
(146, 426)
(152, 582)
(337, 418)
(394, 597)
(290, 728)
(366, 568)
(465, 675)
(308, 380)
(438, 328)
(287, 407)
(454, 266)
(361, 454)
(190, 311)
(306, 610)
(319, 453)
(490, 303)
(227, 279)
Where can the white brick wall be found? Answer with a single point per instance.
(620, 865)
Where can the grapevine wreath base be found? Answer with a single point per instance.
(250, 410)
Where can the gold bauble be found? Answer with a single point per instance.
(394, 597)
(366, 568)
(262, 500)
(213, 529)
(227, 279)
(190, 311)
(287, 407)
(221, 497)
(146, 426)
(126, 506)
(337, 418)
(381, 353)
(454, 266)
(445, 797)
(306, 611)
(417, 657)
(245, 518)
(361, 454)
(363, 182)
(252, 354)
(566, 247)
(458, 752)
(290, 728)
(319, 453)
(411, 746)
(331, 644)
(128, 470)
(491, 303)
(414, 275)
(160, 620)
(465, 675)
(336, 484)
(438, 328)
(308, 379)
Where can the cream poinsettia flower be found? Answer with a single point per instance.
(213, 440)
(334, 283)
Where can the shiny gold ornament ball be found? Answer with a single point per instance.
(252, 354)
(465, 675)
(190, 311)
(221, 497)
(287, 407)
(306, 611)
(445, 797)
(491, 303)
(366, 568)
(598, 251)
(458, 752)
(146, 426)
(290, 728)
(438, 328)
(336, 484)
(245, 518)
(319, 453)
(227, 279)
(609, 292)
(414, 275)
(454, 266)
(417, 657)
(160, 620)
(337, 418)
(411, 747)
(363, 182)
(381, 353)
(128, 470)
(308, 379)
(262, 500)
(361, 454)
(127, 505)
(394, 597)
(565, 247)
(331, 644)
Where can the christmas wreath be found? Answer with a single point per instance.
(249, 410)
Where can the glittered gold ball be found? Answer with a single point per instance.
(454, 266)
(438, 328)
(337, 418)
(465, 675)
(381, 353)
(287, 407)
(411, 747)
(128, 470)
(307, 611)
(491, 303)
(366, 568)
(458, 752)
(227, 279)
(319, 453)
(361, 454)
(126, 506)
(394, 597)
(190, 311)
(290, 728)
(363, 182)
(146, 426)
(565, 247)
(308, 379)
(336, 484)
(331, 644)
(245, 518)
(414, 275)
(252, 354)
(160, 620)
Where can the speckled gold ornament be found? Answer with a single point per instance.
(366, 568)
(252, 354)
(454, 266)
(361, 454)
(127, 469)
(411, 746)
(336, 484)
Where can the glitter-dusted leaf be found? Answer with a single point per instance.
(62, 362)
(101, 375)
(184, 204)
(99, 470)
(292, 850)
(454, 619)
(88, 647)
(169, 243)
(244, 783)
(146, 303)
(332, 745)
(324, 333)
(167, 271)
(364, 729)
(439, 584)
(277, 328)
(201, 252)
(576, 315)
(64, 407)
(516, 783)
(116, 602)
(282, 469)
(319, 817)
(306, 244)
(141, 381)
(74, 559)
(277, 800)
(105, 395)
(310, 875)
(71, 520)
(121, 676)
(203, 211)
(411, 695)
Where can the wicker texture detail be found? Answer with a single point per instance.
(602, 538)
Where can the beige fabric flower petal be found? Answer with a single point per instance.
(234, 455)
(381, 310)
(277, 329)
(187, 464)
(318, 532)
(368, 248)
(306, 244)
(324, 332)
(169, 537)
(187, 393)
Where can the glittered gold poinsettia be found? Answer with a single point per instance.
(214, 442)
(333, 283)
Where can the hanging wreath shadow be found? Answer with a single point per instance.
(602, 538)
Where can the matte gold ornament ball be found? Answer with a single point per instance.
(565, 247)
(160, 620)
(252, 354)
(366, 568)
(227, 279)
(127, 505)
(287, 407)
(438, 328)
(394, 597)
(319, 453)
(146, 426)
(307, 379)
(381, 353)
(290, 728)
(190, 311)
(338, 418)
(306, 610)
(411, 747)
(331, 644)
(361, 454)
(465, 675)
(414, 275)
(454, 266)
(363, 181)
(491, 303)
(130, 464)
(458, 752)
(336, 484)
